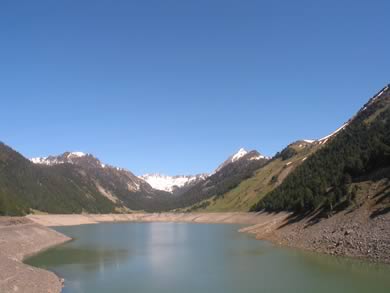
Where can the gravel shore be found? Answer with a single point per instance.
(19, 238)
(356, 233)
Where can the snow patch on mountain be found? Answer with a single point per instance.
(257, 158)
(38, 160)
(241, 152)
(170, 183)
(373, 100)
(55, 160)
(325, 138)
(238, 156)
(76, 155)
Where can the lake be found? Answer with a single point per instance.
(175, 257)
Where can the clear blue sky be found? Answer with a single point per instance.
(177, 86)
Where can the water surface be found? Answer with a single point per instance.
(174, 257)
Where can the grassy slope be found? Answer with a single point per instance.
(264, 180)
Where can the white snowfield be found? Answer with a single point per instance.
(169, 183)
(42, 160)
(76, 154)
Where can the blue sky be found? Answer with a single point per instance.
(177, 86)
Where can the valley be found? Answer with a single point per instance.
(329, 195)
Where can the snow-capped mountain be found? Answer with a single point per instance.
(229, 174)
(241, 154)
(96, 169)
(156, 190)
(171, 183)
(54, 160)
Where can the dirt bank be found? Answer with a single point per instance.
(19, 238)
(217, 218)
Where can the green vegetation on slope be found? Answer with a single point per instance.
(264, 180)
(224, 180)
(57, 189)
(360, 152)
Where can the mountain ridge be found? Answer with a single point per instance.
(78, 182)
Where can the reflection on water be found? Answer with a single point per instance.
(172, 257)
(87, 258)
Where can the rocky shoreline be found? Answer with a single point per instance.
(355, 234)
(20, 238)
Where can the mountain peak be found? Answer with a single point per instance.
(78, 158)
(241, 152)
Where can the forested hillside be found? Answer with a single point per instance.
(58, 189)
(359, 152)
(74, 184)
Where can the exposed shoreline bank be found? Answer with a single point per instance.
(207, 218)
(19, 239)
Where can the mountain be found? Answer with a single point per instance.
(355, 156)
(181, 184)
(172, 184)
(25, 186)
(68, 157)
(119, 185)
(241, 154)
(73, 182)
(95, 167)
(227, 176)
(263, 180)
(328, 173)
(76, 182)
(248, 194)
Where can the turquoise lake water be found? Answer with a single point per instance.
(186, 258)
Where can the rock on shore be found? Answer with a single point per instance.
(353, 233)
